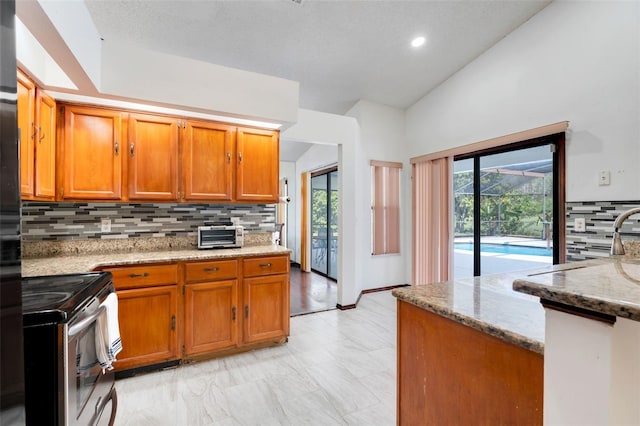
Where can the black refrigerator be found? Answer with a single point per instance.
(11, 345)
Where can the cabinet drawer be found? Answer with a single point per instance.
(144, 276)
(211, 270)
(266, 266)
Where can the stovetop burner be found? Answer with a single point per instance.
(56, 298)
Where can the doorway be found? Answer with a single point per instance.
(324, 222)
(507, 209)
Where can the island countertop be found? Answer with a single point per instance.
(489, 304)
(609, 286)
(59, 265)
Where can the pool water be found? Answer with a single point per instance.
(506, 249)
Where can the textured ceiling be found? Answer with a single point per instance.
(339, 51)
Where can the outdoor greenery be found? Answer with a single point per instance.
(509, 205)
(319, 211)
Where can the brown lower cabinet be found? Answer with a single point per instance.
(451, 374)
(189, 310)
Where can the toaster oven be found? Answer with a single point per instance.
(220, 236)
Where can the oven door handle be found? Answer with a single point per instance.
(83, 323)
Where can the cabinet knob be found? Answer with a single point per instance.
(131, 149)
(240, 157)
(229, 157)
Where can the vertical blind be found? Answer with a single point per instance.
(432, 220)
(385, 207)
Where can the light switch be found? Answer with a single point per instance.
(604, 177)
(105, 225)
(579, 225)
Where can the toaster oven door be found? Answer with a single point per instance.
(212, 238)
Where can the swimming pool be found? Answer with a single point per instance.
(506, 249)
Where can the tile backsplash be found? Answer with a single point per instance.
(599, 217)
(77, 221)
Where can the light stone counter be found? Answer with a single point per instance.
(609, 286)
(70, 264)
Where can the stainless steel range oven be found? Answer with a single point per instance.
(64, 383)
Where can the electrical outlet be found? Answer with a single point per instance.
(579, 225)
(604, 178)
(105, 225)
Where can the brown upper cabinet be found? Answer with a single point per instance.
(37, 124)
(153, 158)
(208, 161)
(258, 154)
(90, 166)
(107, 154)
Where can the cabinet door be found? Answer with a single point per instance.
(91, 166)
(45, 146)
(266, 308)
(153, 157)
(147, 319)
(208, 160)
(27, 126)
(210, 316)
(258, 165)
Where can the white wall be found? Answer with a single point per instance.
(575, 61)
(381, 138)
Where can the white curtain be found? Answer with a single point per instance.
(432, 220)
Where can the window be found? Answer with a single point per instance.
(385, 207)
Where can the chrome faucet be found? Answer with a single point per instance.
(616, 244)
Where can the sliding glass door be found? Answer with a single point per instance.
(505, 207)
(324, 222)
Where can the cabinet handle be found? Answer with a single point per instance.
(117, 148)
(35, 130)
(266, 265)
(233, 313)
(42, 134)
(229, 157)
(246, 311)
(139, 275)
(240, 157)
(173, 322)
(214, 269)
(131, 148)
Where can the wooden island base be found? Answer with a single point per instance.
(452, 374)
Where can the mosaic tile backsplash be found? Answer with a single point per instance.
(599, 217)
(79, 221)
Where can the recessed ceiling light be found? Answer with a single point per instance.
(418, 41)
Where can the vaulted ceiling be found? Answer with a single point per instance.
(339, 51)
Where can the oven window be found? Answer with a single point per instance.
(88, 369)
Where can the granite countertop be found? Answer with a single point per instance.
(71, 264)
(610, 286)
(487, 304)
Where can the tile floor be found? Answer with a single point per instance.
(338, 368)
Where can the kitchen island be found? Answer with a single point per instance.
(477, 350)
(592, 341)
